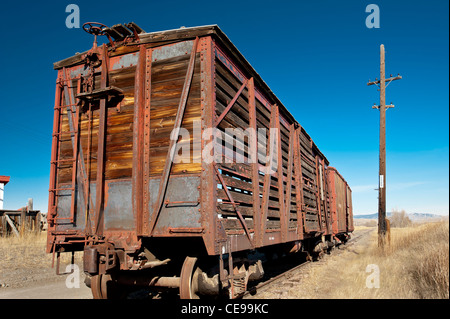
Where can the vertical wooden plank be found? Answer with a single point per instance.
(23, 221)
(253, 144)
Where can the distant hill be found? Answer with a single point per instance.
(412, 216)
(369, 216)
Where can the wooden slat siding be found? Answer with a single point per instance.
(236, 181)
(167, 81)
(238, 116)
(118, 133)
(227, 86)
(177, 126)
(167, 84)
(235, 225)
(226, 209)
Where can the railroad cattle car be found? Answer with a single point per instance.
(174, 165)
(341, 209)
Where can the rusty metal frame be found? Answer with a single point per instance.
(281, 195)
(100, 180)
(74, 132)
(289, 175)
(214, 235)
(146, 143)
(319, 204)
(73, 125)
(54, 153)
(233, 101)
(253, 152)
(298, 182)
(266, 186)
(172, 146)
(75, 155)
(138, 137)
(325, 196)
(233, 203)
(64, 87)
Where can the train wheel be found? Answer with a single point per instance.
(104, 287)
(188, 279)
(96, 287)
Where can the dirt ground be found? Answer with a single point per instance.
(26, 271)
(319, 279)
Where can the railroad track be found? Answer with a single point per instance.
(285, 276)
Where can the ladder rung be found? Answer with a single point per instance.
(66, 132)
(64, 160)
(61, 80)
(61, 189)
(64, 107)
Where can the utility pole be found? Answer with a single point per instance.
(382, 170)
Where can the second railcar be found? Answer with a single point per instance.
(341, 209)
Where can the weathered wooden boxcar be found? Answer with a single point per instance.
(340, 204)
(164, 168)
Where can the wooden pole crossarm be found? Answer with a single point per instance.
(387, 106)
(398, 77)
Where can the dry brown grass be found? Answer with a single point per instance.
(27, 250)
(23, 260)
(414, 266)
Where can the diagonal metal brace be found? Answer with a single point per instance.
(230, 105)
(224, 185)
(175, 132)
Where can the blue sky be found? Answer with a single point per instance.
(317, 57)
